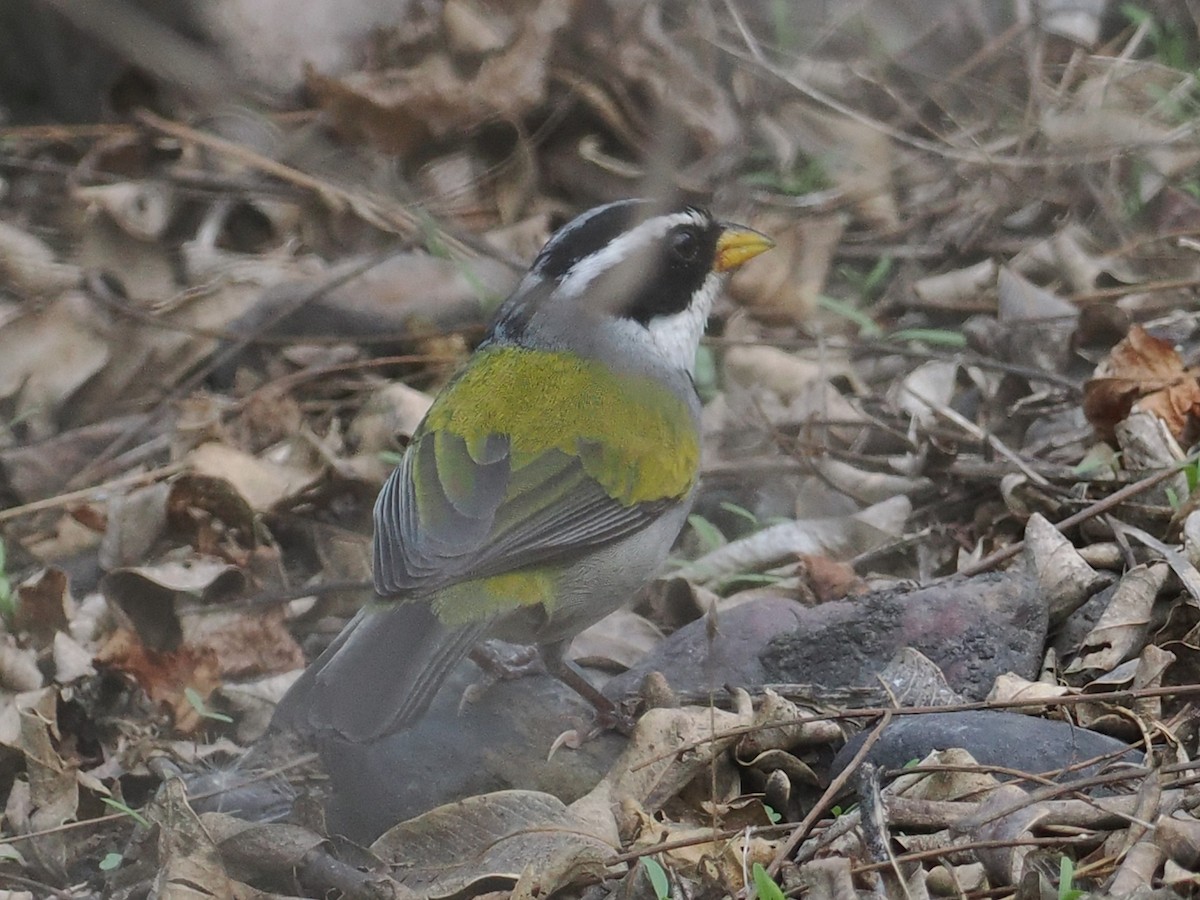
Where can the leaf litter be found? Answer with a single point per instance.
(978, 334)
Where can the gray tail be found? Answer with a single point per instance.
(378, 676)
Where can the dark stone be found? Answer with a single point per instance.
(499, 741)
(993, 738)
(973, 629)
(695, 662)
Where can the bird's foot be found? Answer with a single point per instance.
(612, 718)
(500, 661)
(609, 715)
(504, 662)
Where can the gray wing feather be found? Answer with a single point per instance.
(423, 545)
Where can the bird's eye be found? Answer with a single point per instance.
(685, 246)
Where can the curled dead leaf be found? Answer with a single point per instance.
(1066, 581)
(44, 606)
(1121, 631)
(142, 209)
(262, 482)
(30, 267)
(1146, 373)
(964, 290)
(19, 670)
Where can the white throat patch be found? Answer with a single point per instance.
(673, 339)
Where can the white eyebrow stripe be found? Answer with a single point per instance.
(565, 233)
(584, 272)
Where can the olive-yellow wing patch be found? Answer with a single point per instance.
(528, 458)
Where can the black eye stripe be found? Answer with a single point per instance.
(679, 269)
(671, 265)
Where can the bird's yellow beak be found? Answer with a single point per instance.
(738, 244)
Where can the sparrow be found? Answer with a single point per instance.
(549, 478)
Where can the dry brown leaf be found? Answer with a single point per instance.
(829, 579)
(913, 679)
(867, 486)
(1071, 254)
(71, 660)
(263, 483)
(770, 368)
(510, 831)
(1035, 325)
(135, 521)
(780, 724)
(246, 645)
(141, 273)
(964, 290)
(848, 535)
(474, 29)
(1064, 579)
(30, 267)
(1009, 688)
(143, 209)
(164, 676)
(1146, 373)
(190, 866)
(1153, 663)
(210, 514)
(400, 109)
(961, 780)
(386, 420)
(616, 642)
(19, 672)
(926, 390)
(701, 854)
(1007, 815)
(47, 355)
(1125, 622)
(668, 748)
(44, 607)
(1179, 879)
(1179, 836)
(168, 644)
(1137, 869)
(48, 796)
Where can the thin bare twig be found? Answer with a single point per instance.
(91, 493)
(835, 787)
(1100, 507)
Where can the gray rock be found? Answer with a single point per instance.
(695, 661)
(973, 629)
(993, 738)
(498, 742)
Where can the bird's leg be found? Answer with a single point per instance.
(608, 714)
(501, 661)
